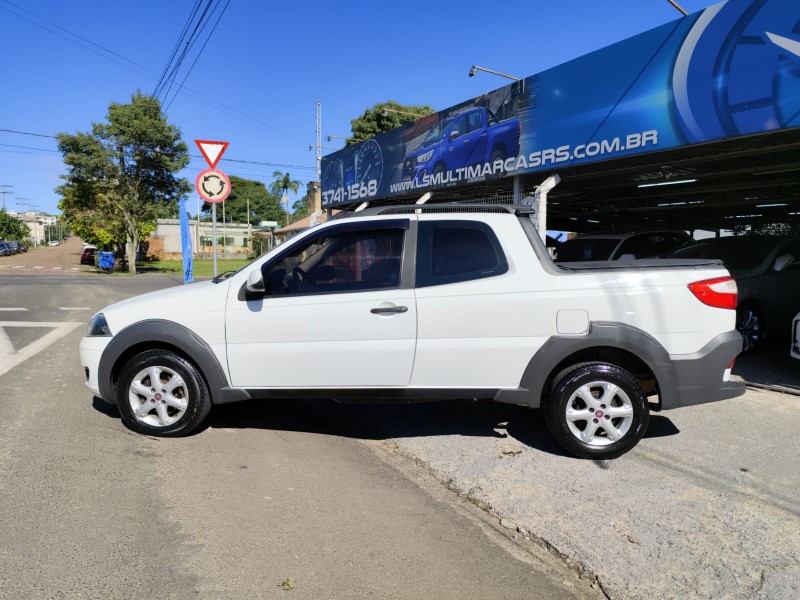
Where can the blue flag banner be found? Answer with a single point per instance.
(186, 243)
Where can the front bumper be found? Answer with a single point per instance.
(91, 350)
(704, 376)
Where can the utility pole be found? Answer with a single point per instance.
(4, 192)
(319, 141)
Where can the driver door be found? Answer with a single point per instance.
(336, 313)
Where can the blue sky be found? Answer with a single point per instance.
(256, 81)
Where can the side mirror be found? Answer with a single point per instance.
(255, 282)
(454, 134)
(783, 261)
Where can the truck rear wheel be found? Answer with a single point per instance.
(597, 411)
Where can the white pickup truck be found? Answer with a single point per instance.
(427, 302)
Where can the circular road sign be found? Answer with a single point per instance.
(213, 185)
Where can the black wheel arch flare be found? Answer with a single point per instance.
(159, 333)
(557, 352)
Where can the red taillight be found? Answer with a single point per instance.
(719, 292)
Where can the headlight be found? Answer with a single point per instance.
(98, 327)
(424, 157)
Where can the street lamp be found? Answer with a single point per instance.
(675, 4)
(400, 112)
(352, 139)
(476, 68)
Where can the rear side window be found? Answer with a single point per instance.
(453, 251)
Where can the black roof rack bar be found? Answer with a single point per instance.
(455, 208)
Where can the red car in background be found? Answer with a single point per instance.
(88, 254)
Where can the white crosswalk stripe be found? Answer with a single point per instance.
(10, 358)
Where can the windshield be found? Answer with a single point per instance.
(734, 252)
(436, 133)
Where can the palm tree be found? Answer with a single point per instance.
(281, 186)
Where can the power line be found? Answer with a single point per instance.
(180, 87)
(177, 44)
(144, 71)
(231, 160)
(176, 65)
(75, 35)
(28, 133)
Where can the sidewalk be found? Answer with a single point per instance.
(706, 506)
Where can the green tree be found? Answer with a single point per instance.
(122, 175)
(282, 185)
(385, 116)
(264, 205)
(12, 228)
(300, 208)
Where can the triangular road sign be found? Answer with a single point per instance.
(212, 151)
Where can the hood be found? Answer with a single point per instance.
(169, 304)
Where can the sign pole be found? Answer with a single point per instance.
(214, 234)
(213, 186)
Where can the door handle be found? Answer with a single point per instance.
(389, 310)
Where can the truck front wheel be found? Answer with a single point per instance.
(160, 393)
(597, 411)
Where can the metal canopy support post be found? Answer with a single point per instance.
(540, 201)
(517, 198)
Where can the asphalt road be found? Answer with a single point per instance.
(272, 499)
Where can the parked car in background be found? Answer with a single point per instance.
(18, 246)
(88, 255)
(625, 245)
(5, 249)
(795, 351)
(767, 274)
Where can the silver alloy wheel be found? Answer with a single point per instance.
(599, 413)
(158, 396)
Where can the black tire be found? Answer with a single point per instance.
(498, 153)
(176, 407)
(751, 324)
(616, 417)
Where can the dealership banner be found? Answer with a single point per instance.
(732, 69)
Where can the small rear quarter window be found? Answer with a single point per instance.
(454, 251)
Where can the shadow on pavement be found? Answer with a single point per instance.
(386, 421)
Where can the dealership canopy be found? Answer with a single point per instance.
(691, 124)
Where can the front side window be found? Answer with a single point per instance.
(459, 127)
(453, 251)
(339, 262)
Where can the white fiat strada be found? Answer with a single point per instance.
(427, 302)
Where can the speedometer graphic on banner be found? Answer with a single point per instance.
(717, 91)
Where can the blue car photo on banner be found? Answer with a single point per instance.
(730, 70)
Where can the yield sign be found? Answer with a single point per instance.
(212, 151)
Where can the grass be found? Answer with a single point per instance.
(200, 268)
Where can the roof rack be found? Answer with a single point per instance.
(454, 208)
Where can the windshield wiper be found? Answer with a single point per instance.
(223, 276)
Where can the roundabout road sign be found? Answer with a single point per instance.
(213, 185)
